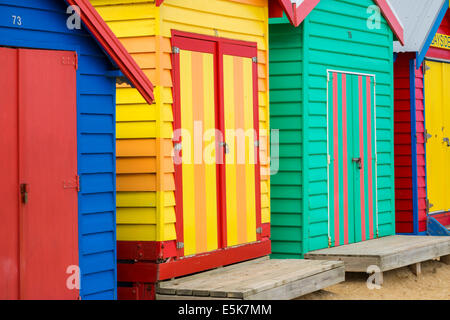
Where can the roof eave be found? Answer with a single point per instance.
(114, 48)
(420, 55)
(392, 20)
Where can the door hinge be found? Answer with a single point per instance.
(76, 61)
(259, 230)
(425, 67)
(255, 59)
(180, 245)
(427, 136)
(429, 205)
(175, 50)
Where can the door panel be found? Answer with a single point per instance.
(200, 210)
(239, 136)
(215, 95)
(39, 231)
(9, 185)
(48, 166)
(352, 174)
(437, 121)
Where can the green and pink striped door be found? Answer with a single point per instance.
(352, 154)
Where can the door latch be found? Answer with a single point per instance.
(24, 193)
(72, 184)
(447, 140)
(358, 162)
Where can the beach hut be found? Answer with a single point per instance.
(191, 196)
(420, 114)
(331, 98)
(57, 102)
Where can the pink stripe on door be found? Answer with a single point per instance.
(336, 158)
(361, 152)
(369, 154)
(345, 155)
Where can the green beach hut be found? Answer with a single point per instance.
(332, 100)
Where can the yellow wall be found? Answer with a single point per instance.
(145, 182)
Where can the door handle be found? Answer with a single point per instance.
(358, 161)
(225, 146)
(24, 193)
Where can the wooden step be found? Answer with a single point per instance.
(386, 253)
(256, 280)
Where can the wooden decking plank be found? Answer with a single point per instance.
(387, 253)
(283, 277)
(212, 282)
(382, 246)
(303, 286)
(250, 279)
(288, 291)
(165, 287)
(228, 278)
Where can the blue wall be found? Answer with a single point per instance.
(44, 27)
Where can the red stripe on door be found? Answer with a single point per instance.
(369, 154)
(336, 158)
(345, 155)
(361, 152)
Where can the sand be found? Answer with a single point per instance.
(400, 284)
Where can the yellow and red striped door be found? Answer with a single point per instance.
(240, 159)
(216, 149)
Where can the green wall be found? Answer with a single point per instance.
(299, 59)
(286, 65)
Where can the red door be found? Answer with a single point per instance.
(39, 239)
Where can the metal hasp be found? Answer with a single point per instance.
(447, 141)
(358, 161)
(24, 193)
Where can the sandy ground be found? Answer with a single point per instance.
(400, 284)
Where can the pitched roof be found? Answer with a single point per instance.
(106, 38)
(304, 7)
(421, 20)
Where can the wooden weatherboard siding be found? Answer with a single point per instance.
(410, 184)
(286, 65)
(145, 182)
(240, 20)
(145, 169)
(335, 36)
(44, 27)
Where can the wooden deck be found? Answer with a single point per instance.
(260, 279)
(387, 253)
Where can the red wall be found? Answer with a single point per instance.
(402, 146)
